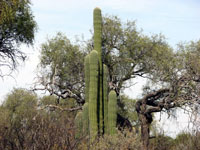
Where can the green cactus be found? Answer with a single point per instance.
(78, 124)
(105, 96)
(87, 77)
(97, 46)
(99, 115)
(93, 93)
(112, 112)
(85, 119)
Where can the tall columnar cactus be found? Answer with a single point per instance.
(100, 112)
(97, 19)
(93, 93)
(87, 77)
(78, 125)
(105, 96)
(85, 119)
(112, 112)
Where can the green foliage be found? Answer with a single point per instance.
(182, 137)
(48, 100)
(183, 141)
(112, 113)
(189, 57)
(161, 142)
(127, 110)
(129, 53)
(126, 51)
(187, 141)
(26, 125)
(17, 26)
(21, 105)
(17, 21)
(93, 94)
(61, 67)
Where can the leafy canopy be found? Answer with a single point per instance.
(128, 53)
(17, 26)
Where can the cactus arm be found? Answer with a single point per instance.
(112, 112)
(105, 96)
(85, 119)
(93, 93)
(87, 77)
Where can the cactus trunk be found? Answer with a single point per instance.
(97, 46)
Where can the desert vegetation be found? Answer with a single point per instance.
(85, 107)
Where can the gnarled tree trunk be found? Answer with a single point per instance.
(145, 132)
(145, 120)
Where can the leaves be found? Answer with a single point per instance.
(17, 26)
(61, 68)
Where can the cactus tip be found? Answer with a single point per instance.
(97, 8)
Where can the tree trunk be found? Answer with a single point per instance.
(144, 132)
(145, 122)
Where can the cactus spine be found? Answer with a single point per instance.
(97, 19)
(93, 92)
(112, 112)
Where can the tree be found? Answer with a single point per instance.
(61, 68)
(17, 26)
(19, 109)
(128, 54)
(178, 86)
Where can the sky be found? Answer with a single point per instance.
(178, 20)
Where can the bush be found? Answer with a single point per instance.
(25, 126)
(187, 141)
(161, 142)
(121, 141)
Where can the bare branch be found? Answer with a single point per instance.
(53, 107)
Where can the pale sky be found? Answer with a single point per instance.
(178, 20)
